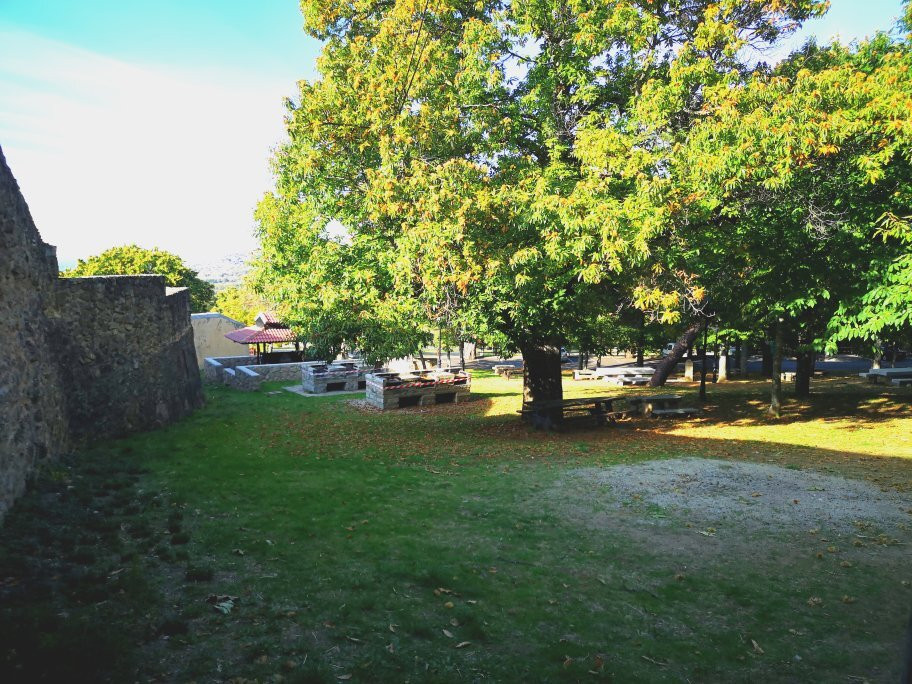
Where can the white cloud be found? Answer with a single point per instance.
(108, 152)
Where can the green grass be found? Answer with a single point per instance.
(373, 545)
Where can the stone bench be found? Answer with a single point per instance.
(585, 375)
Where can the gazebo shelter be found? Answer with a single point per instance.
(267, 329)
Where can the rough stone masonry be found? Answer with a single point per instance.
(81, 358)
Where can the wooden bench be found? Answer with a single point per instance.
(594, 410)
(662, 405)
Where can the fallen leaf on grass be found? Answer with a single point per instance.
(568, 661)
(463, 644)
(756, 647)
(345, 676)
(848, 599)
(393, 627)
(815, 601)
(447, 633)
(448, 604)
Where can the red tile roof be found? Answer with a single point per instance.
(255, 335)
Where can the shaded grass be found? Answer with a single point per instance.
(351, 540)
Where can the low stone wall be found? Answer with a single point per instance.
(389, 390)
(247, 377)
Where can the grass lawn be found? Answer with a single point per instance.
(271, 537)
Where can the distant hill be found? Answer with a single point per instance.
(224, 271)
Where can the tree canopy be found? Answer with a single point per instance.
(502, 168)
(241, 302)
(133, 260)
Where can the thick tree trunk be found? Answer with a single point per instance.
(462, 354)
(805, 370)
(579, 362)
(667, 364)
(766, 350)
(775, 408)
(715, 363)
(743, 359)
(878, 355)
(542, 382)
(641, 339)
(703, 363)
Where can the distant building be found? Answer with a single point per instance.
(209, 335)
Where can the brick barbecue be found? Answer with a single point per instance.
(387, 390)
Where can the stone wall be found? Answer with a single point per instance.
(125, 351)
(33, 423)
(240, 373)
(82, 357)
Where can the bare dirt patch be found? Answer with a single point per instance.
(754, 494)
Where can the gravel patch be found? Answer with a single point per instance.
(760, 495)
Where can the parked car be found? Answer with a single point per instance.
(668, 348)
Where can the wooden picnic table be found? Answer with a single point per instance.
(658, 405)
(507, 371)
(598, 410)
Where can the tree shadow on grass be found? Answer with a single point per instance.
(831, 400)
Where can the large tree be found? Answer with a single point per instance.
(133, 260)
(499, 165)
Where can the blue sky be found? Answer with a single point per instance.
(152, 122)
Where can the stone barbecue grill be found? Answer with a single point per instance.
(339, 376)
(387, 390)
